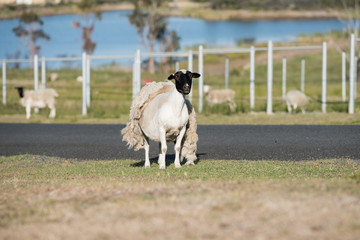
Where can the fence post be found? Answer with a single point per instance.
(269, 78)
(343, 76)
(283, 78)
(226, 73)
(88, 90)
(4, 82)
(201, 78)
(43, 72)
(177, 66)
(36, 72)
(138, 70)
(36, 76)
(351, 74)
(355, 76)
(302, 87)
(84, 80)
(190, 67)
(324, 66)
(252, 77)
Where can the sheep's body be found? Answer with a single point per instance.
(54, 77)
(220, 96)
(160, 113)
(296, 99)
(39, 99)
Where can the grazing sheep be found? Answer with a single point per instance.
(79, 79)
(38, 99)
(54, 76)
(220, 96)
(296, 99)
(161, 113)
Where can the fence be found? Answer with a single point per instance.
(136, 71)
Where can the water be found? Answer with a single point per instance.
(114, 35)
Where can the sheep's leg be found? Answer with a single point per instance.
(52, 112)
(295, 106)
(146, 147)
(289, 108)
(28, 111)
(177, 147)
(162, 163)
(303, 110)
(232, 106)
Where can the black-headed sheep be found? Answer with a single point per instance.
(38, 99)
(161, 113)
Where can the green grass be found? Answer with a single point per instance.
(40, 168)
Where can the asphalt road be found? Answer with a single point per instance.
(103, 141)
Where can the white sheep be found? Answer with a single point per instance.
(220, 96)
(53, 77)
(38, 99)
(296, 99)
(161, 113)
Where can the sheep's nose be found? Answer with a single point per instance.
(186, 86)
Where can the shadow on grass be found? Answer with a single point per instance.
(170, 158)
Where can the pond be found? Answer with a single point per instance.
(114, 35)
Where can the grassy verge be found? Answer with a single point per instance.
(46, 197)
(111, 92)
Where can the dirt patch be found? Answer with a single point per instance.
(249, 209)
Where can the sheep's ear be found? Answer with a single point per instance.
(172, 76)
(195, 75)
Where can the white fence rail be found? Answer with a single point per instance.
(137, 57)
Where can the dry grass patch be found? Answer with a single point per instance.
(50, 198)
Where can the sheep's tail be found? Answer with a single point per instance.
(190, 138)
(132, 135)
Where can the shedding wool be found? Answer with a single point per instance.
(132, 133)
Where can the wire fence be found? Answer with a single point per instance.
(273, 63)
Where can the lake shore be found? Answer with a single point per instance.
(194, 10)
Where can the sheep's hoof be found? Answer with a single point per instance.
(162, 167)
(177, 166)
(147, 166)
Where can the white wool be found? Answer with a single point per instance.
(159, 106)
(39, 99)
(220, 96)
(296, 99)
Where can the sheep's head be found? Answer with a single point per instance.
(183, 80)
(20, 91)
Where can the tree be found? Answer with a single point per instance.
(90, 14)
(152, 27)
(30, 31)
(349, 15)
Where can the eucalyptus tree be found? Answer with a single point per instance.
(90, 14)
(152, 27)
(30, 31)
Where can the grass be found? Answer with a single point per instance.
(46, 197)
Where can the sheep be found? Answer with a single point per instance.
(161, 113)
(38, 99)
(220, 96)
(53, 77)
(296, 99)
(79, 79)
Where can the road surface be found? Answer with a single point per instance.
(249, 142)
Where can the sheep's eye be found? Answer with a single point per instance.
(190, 75)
